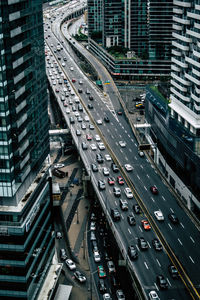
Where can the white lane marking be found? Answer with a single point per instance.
(122, 216)
(131, 140)
(182, 225)
(158, 262)
(170, 226)
(121, 150)
(152, 199)
(171, 210)
(115, 129)
(140, 229)
(145, 188)
(108, 130)
(163, 198)
(112, 136)
(168, 282)
(135, 158)
(192, 240)
(138, 176)
(180, 242)
(123, 127)
(116, 143)
(141, 166)
(129, 135)
(148, 244)
(191, 259)
(126, 158)
(130, 149)
(148, 175)
(120, 135)
(156, 286)
(111, 123)
(129, 231)
(115, 202)
(125, 131)
(146, 265)
(135, 145)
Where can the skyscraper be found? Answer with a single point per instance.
(26, 246)
(185, 90)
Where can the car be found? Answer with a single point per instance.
(94, 246)
(93, 147)
(111, 266)
(67, 111)
(79, 119)
(107, 157)
(90, 106)
(84, 146)
(92, 236)
(137, 209)
(78, 132)
(101, 185)
(128, 193)
(97, 138)
(87, 119)
(141, 153)
(97, 257)
(99, 122)
(154, 190)
(76, 113)
(71, 120)
(119, 113)
(120, 295)
(162, 282)
(74, 107)
(101, 272)
(115, 214)
(59, 166)
(106, 119)
(58, 235)
(128, 167)
(93, 217)
(83, 126)
(142, 243)
(107, 296)
(157, 244)
(173, 218)
(117, 192)
(159, 215)
(101, 286)
(63, 64)
(63, 254)
(106, 256)
(87, 91)
(80, 107)
(79, 276)
(132, 252)
(122, 144)
(120, 180)
(105, 171)
(70, 264)
(101, 146)
(131, 220)
(173, 271)
(111, 180)
(91, 97)
(91, 126)
(64, 58)
(145, 225)
(92, 226)
(153, 295)
(80, 81)
(123, 204)
(99, 158)
(71, 68)
(88, 137)
(80, 90)
(73, 80)
(114, 168)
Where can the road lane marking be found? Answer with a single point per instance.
(152, 199)
(163, 198)
(135, 145)
(131, 140)
(148, 175)
(180, 242)
(126, 158)
(192, 240)
(158, 262)
(130, 149)
(122, 216)
(146, 265)
(125, 131)
(138, 176)
(140, 229)
(121, 150)
(129, 135)
(141, 166)
(135, 158)
(115, 202)
(182, 225)
(129, 231)
(191, 259)
(111, 123)
(145, 188)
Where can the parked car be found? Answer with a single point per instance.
(111, 266)
(70, 264)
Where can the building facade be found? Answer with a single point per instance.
(185, 72)
(94, 17)
(25, 209)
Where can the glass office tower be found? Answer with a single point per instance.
(26, 242)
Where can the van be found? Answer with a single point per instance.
(58, 173)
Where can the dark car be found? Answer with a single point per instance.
(173, 271)
(84, 146)
(162, 282)
(102, 287)
(142, 243)
(157, 245)
(71, 120)
(114, 168)
(106, 256)
(80, 107)
(101, 185)
(99, 158)
(90, 106)
(115, 214)
(106, 119)
(94, 168)
(80, 90)
(132, 252)
(131, 220)
(154, 190)
(173, 218)
(91, 97)
(136, 209)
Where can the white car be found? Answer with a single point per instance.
(67, 111)
(63, 64)
(54, 82)
(97, 138)
(87, 119)
(71, 68)
(72, 93)
(122, 144)
(92, 226)
(70, 264)
(159, 215)
(105, 171)
(97, 257)
(99, 122)
(93, 147)
(107, 157)
(76, 113)
(101, 146)
(107, 296)
(128, 167)
(141, 153)
(153, 296)
(58, 166)
(128, 193)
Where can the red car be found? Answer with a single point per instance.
(145, 225)
(120, 180)
(154, 190)
(57, 90)
(111, 180)
(65, 104)
(73, 80)
(88, 137)
(119, 113)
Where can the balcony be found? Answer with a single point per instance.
(192, 79)
(181, 20)
(179, 63)
(193, 33)
(181, 37)
(178, 86)
(182, 3)
(180, 46)
(195, 98)
(177, 27)
(176, 53)
(193, 15)
(178, 11)
(181, 80)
